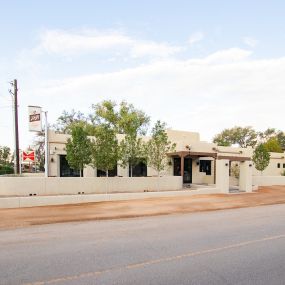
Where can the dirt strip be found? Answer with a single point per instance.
(22, 217)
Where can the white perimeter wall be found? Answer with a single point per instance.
(24, 186)
(268, 180)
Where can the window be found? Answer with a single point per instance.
(278, 165)
(205, 166)
(283, 165)
(65, 169)
(139, 170)
(111, 173)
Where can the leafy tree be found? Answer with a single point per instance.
(273, 133)
(243, 137)
(39, 146)
(273, 145)
(267, 134)
(124, 119)
(67, 119)
(132, 151)
(106, 113)
(5, 153)
(132, 121)
(281, 139)
(105, 150)
(78, 148)
(261, 157)
(158, 147)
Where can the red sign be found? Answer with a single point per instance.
(29, 155)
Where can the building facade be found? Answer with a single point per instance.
(193, 159)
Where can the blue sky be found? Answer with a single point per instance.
(198, 65)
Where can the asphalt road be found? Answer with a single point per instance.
(240, 246)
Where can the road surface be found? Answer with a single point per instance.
(238, 246)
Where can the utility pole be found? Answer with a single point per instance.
(16, 126)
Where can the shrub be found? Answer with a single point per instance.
(6, 169)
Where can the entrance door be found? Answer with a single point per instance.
(187, 175)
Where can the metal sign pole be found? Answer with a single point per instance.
(46, 146)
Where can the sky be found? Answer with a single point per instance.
(199, 66)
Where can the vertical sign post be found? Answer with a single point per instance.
(46, 145)
(35, 125)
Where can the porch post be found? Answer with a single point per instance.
(182, 166)
(222, 175)
(245, 176)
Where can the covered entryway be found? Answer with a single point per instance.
(223, 173)
(183, 165)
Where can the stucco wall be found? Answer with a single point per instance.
(23, 186)
(272, 169)
(268, 180)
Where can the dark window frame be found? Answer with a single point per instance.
(205, 166)
(139, 170)
(111, 173)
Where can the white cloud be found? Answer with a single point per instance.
(202, 95)
(228, 55)
(64, 42)
(251, 42)
(196, 37)
(70, 43)
(223, 89)
(141, 49)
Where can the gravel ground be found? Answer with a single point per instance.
(22, 217)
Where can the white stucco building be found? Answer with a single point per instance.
(196, 161)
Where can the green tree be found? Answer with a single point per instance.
(106, 113)
(105, 150)
(127, 120)
(39, 146)
(273, 133)
(261, 157)
(243, 137)
(5, 153)
(78, 148)
(67, 119)
(123, 118)
(158, 147)
(132, 152)
(281, 139)
(273, 145)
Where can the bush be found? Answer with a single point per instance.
(6, 169)
(283, 173)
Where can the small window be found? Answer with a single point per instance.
(205, 166)
(278, 165)
(283, 165)
(139, 170)
(111, 173)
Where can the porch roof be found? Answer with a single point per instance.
(215, 155)
(185, 153)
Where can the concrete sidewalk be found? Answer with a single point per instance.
(52, 200)
(21, 217)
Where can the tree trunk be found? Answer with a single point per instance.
(131, 170)
(80, 173)
(107, 173)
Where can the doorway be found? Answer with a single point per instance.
(187, 172)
